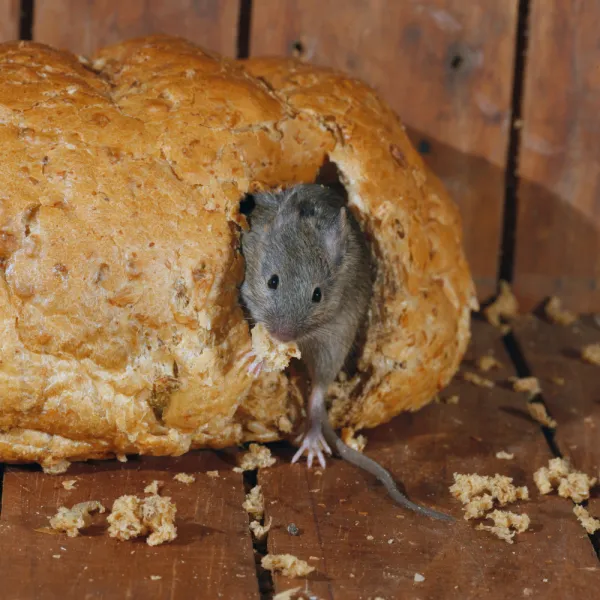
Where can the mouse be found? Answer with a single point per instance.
(309, 279)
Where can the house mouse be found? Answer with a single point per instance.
(308, 279)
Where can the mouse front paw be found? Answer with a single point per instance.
(313, 444)
(256, 364)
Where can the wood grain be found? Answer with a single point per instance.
(570, 386)
(366, 547)
(211, 557)
(10, 11)
(445, 66)
(558, 234)
(83, 26)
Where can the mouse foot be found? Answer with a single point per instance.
(256, 364)
(313, 444)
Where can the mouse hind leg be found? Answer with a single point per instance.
(313, 441)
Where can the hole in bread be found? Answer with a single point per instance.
(29, 217)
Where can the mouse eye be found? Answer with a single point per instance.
(316, 295)
(273, 282)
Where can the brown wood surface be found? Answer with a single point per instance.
(558, 234)
(337, 510)
(83, 26)
(212, 556)
(553, 351)
(9, 20)
(445, 66)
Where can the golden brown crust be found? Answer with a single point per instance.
(119, 236)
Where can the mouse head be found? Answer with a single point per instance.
(293, 287)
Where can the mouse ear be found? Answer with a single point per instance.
(335, 237)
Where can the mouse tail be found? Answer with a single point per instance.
(368, 464)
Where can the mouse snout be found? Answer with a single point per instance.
(284, 334)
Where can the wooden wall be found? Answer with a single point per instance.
(529, 192)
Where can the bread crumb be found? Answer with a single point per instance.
(132, 517)
(538, 413)
(591, 354)
(275, 356)
(122, 458)
(286, 564)
(72, 520)
(184, 478)
(418, 578)
(260, 531)
(69, 484)
(504, 455)
(158, 515)
(153, 488)
(556, 314)
(478, 506)
(559, 475)
(213, 474)
(588, 522)
(56, 556)
(503, 522)
(488, 362)
(478, 380)
(576, 486)
(505, 306)
(255, 503)
(370, 538)
(257, 457)
(56, 468)
(356, 442)
(530, 385)
(478, 492)
(558, 380)
(155, 577)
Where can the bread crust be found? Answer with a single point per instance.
(120, 181)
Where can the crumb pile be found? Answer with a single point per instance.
(257, 457)
(132, 517)
(260, 531)
(588, 522)
(72, 520)
(555, 313)
(255, 503)
(506, 524)
(286, 564)
(153, 488)
(569, 483)
(480, 493)
(275, 356)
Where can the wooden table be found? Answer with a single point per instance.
(362, 545)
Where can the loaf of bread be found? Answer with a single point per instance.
(120, 185)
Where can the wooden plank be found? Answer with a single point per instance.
(445, 66)
(337, 511)
(212, 556)
(558, 233)
(10, 11)
(552, 352)
(84, 27)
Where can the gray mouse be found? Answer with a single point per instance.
(308, 279)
